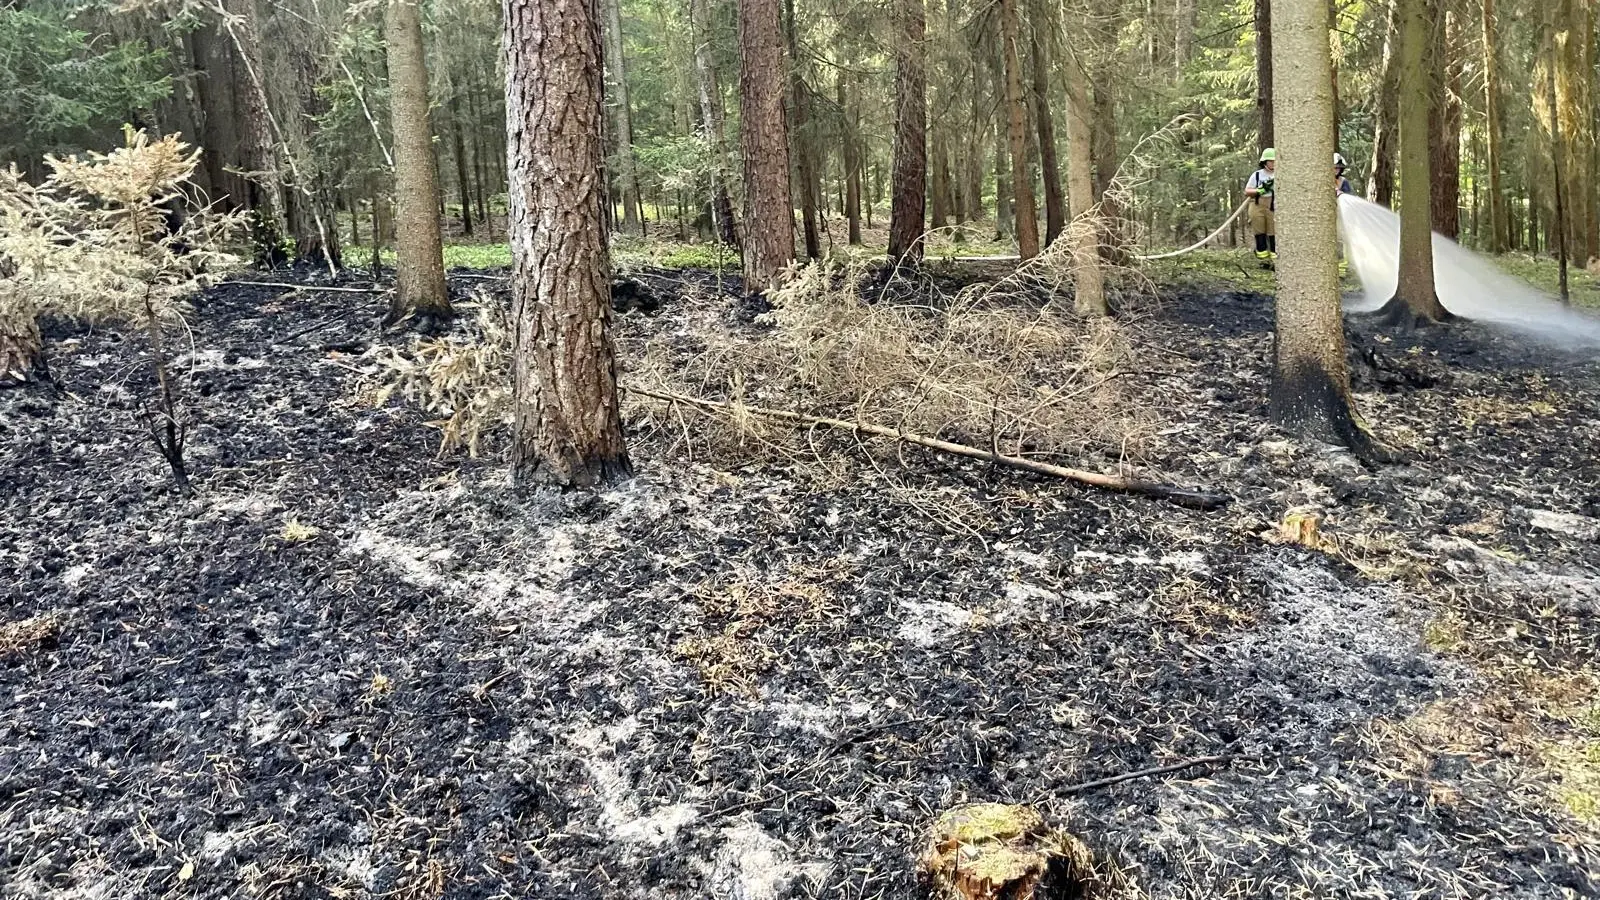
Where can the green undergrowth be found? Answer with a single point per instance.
(1545, 274)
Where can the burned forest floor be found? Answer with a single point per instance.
(347, 666)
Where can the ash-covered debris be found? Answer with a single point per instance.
(346, 667)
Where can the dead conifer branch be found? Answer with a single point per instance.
(1180, 496)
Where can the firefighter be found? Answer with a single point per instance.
(1263, 208)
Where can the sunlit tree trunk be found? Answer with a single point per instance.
(1183, 22)
(419, 248)
(1055, 210)
(803, 144)
(1415, 300)
(709, 89)
(1499, 226)
(907, 215)
(1026, 215)
(568, 426)
(1311, 382)
(1386, 105)
(764, 144)
(1088, 276)
(622, 118)
(1558, 162)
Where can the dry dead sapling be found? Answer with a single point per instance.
(95, 243)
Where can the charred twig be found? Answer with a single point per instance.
(307, 330)
(1192, 499)
(313, 287)
(1144, 773)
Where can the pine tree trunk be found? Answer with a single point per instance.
(257, 149)
(21, 348)
(764, 143)
(907, 214)
(711, 119)
(1444, 127)
(1380, 187)
(800, 134)
(1055, 208)
(1499, 225)
(1026, 215)
(419, 248)
(1558, 163)
(1107, 159)
(459, 145)
(568, 424)
(1415, 300)
(1088, 275)
(975, 155)
(1264, 71)
(1311, 383)
(852, 158)
(938, 181)
(627, 177)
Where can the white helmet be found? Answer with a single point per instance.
(1338, 161)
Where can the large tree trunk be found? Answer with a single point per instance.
(621, 119)
(1264, 71)
(419, 249)
(710, 95)
(1055, 210)
(568, 428)
(1499, 225)
(907, 214)
(1311, 382)
(764, 143)
(1088, 276)
(852, 157)
(1576, 101)
(1444, 127)
(1027, 216)
(1415, 299)
(1386, 103)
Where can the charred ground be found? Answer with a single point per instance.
(347, 668)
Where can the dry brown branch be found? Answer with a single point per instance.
(1192, 499)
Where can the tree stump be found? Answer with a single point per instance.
(993, 851)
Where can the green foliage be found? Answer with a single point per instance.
(61, 88)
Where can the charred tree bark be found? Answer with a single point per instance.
(711, 119)
(1499, 224)
(1311, 382)
(907, 215)
(622, 119)
(1055, 208)
(1027, 216)
(764, 143)
(1416, 300)
(568, 424)
(419, 248)
(21, 348)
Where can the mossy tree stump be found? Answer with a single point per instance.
(993, 851)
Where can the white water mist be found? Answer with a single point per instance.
(1468, 285)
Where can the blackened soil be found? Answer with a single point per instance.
(347, 668)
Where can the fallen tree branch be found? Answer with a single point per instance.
(1191, 499)
(1142, 773)
(311, 287)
